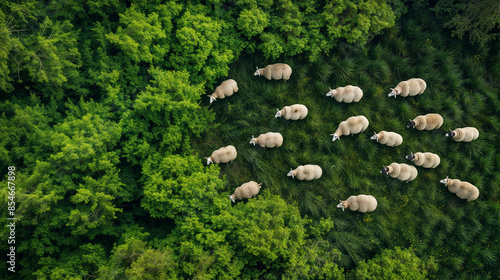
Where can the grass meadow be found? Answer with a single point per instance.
(463, 85)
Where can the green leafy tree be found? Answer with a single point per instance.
(83, 262)
(197, 47)
(310, 27)
(70, 184)
(252, 22)
(140, 35)
(267, 229)
(176, 187)
(165, 117)
(394, 264)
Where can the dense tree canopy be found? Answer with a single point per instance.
(104, 115)
(394, 264)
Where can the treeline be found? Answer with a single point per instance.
(101, 109)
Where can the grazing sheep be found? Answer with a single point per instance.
(226, 88)
(292, 112)
(462, 189)
(245, 191)
(346, 94)
(362, 203)
(426, 160)
(401, 171)
(306, 172)
(411, 87)
(352, 125)
(427, 122)
(464, 134)
(222, 155)
(276, 71)
(268, 140)
(391, 139)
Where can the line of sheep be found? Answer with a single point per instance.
(353, 125)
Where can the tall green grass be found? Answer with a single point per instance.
(461, 236)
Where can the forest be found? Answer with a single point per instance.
(105, 123)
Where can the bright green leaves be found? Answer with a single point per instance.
(394, 264)
(82, 163)
(272, 44)
(252, 22)
(180, 186)
(173, 85)
(197, 47)
(266, 229)
(139, 36)
(69, 174)
(165, 116)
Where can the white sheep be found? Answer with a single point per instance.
(346, 94)
(268, 140)
(362, 203)
(464, 134)
(245, 191)
(292, 112)
(352, 125)
(462, 189)
(222, 155)
(426, 160)
(306, 172)
(226, 88)
(391, 139)
(427, 122)
(401, 171)
(410, 87)
(276, 71)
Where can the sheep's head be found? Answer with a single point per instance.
(411, 124)
(212, 99)
(444, 181)
(341, 205)
(394, 92)
(253, 140)
(451, 133)
(209, 160)
(231, 197)
(374, 137)
(331, 93)
(291, 173)
(410, 157)
(335, 137)
(257, 73)
(278, 114)
(384, 170)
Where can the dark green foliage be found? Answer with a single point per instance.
(477, 19)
